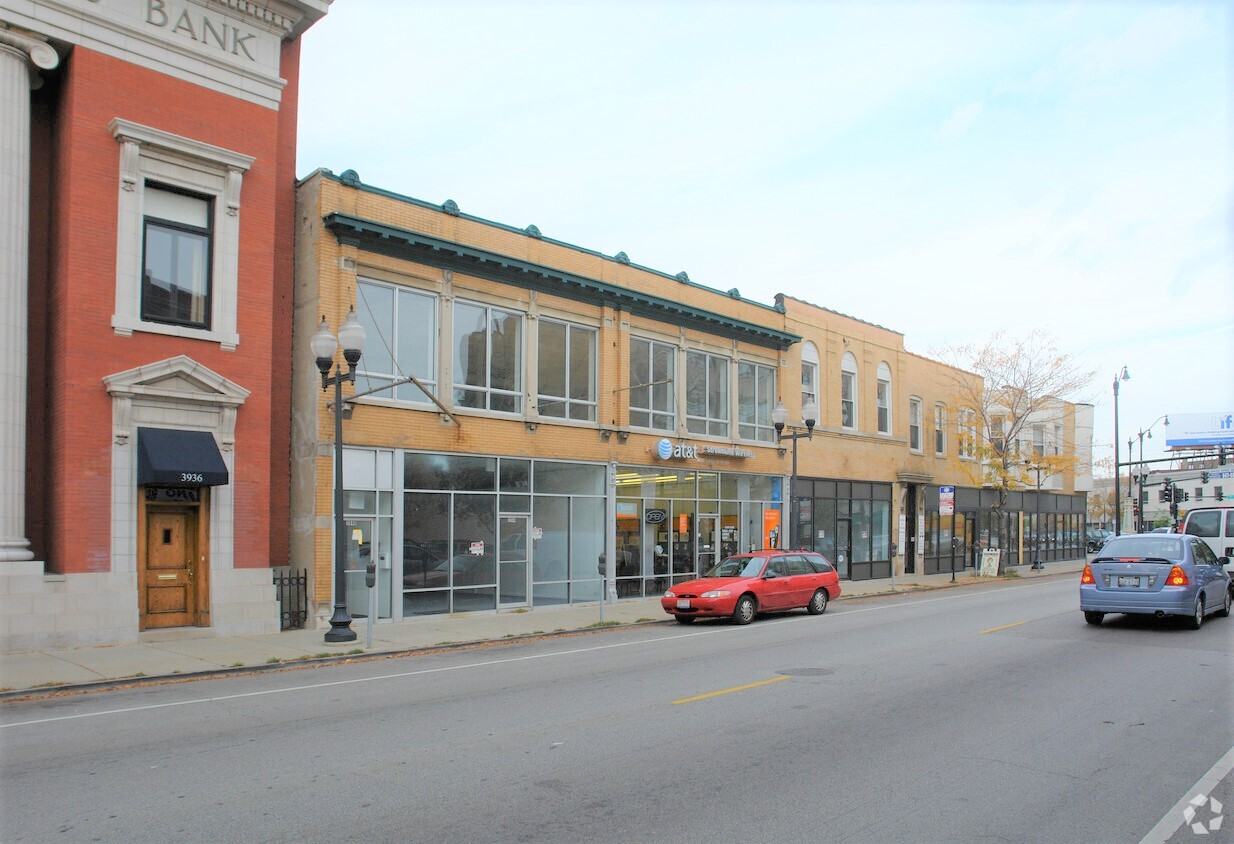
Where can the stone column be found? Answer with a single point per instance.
(17, 54)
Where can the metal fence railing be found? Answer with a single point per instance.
(292, 588)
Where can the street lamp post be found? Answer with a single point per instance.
(1038, 468)
(1118, 496)
(1142, 475)
(324, 345)
(779, 416)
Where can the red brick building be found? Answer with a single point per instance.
(148, 161)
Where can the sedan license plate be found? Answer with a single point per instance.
(683, 603)
(1129, 582)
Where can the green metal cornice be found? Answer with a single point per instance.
(444, 254)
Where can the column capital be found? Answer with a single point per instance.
(40, 54)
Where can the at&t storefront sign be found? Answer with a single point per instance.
(667, 450)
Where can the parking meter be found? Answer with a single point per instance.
(370, 580)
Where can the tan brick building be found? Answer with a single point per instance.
(539, 423)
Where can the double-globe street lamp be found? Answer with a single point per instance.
(1118, 495)
(779, 416)
(324, 346)
(1141, 475)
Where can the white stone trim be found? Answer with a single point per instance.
(148, 153)
(174, 393)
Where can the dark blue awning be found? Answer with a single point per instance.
(167, 457)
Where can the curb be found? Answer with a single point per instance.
(68, 689)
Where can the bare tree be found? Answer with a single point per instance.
(1005, 417)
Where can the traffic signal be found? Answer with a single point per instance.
(1203, 477)
(1167, 492)
(1173, 509)
(1219, 493)
(1186, 496)
(1161, 494)
(1220, 455)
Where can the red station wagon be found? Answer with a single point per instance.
(744, 585)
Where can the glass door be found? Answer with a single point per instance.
(708, 542)
(512, 561)
(843, 543)
(361, 550)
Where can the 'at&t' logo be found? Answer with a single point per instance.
(666, 450)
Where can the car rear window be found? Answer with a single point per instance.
(1164, 547)
(1206, 523)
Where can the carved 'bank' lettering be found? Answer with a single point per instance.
(213, 33)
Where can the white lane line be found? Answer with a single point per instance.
(1168, 825)
(492, 662)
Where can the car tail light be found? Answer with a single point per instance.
(1087, 576)
(1177, 577)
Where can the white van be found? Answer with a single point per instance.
(1215, 525)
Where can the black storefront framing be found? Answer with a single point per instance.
(849, 522)
(955, 541)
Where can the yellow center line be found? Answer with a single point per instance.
(733, 689)
(1004, 627)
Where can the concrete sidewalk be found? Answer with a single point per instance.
(192, 651)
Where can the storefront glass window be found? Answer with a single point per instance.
(449, 472)
(568, 478)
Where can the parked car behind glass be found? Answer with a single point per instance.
(1155, 574)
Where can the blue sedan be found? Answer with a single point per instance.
(1155, 574)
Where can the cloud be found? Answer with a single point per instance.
(961, 120)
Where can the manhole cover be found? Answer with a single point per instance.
(806, 672)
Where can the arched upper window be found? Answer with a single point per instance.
(884, 398)
(809, 374)
(848, 391)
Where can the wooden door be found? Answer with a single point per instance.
(169, 588)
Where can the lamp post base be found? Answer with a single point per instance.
(340, 627)
(1037, 565)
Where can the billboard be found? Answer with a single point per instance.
(1196, 430)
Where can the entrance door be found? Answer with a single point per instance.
(361, 550)
(512, 560)
(169, 596)
(708, 534)
(843, 544)
(910, 530)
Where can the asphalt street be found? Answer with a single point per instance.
(987, 713)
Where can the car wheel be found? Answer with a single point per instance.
(818, 603)
(684, 619)
(1094, 617)
(1224, 612)
(1197, 617)
(745, 610)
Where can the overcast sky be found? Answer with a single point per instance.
(943, 169)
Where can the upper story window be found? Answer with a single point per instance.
(1058, 439)
(884, 398)
(178, 235)
(967, 434)
(998, 435)
(914, 424)
(488, 358)
(848, 391)
(652, 381)
(401, 327)
(940, 430)
(809, 374)
(707, 404)
(1039, 440)
(566, 370)
(175, 283)
(756, 393)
